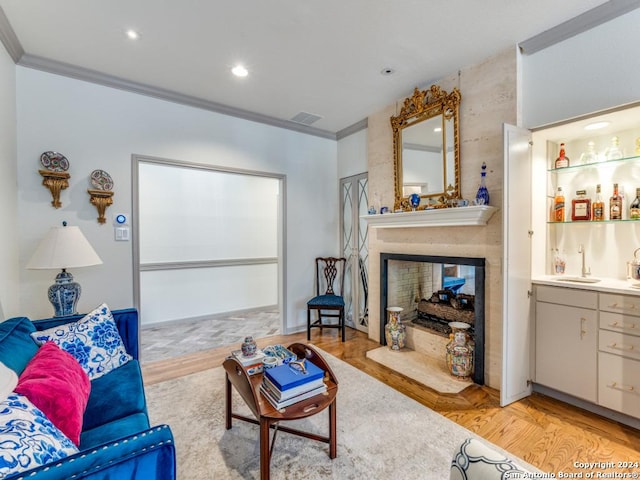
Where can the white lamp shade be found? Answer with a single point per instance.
(63, 247)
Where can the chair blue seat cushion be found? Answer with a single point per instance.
(123, 427)
(117, 394)
(326, 301)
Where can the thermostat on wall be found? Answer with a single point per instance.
(121, 219)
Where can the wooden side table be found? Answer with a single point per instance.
(267, 417)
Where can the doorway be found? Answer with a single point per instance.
(354, 245)
(207, 245)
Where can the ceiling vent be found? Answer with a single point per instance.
(305, 118)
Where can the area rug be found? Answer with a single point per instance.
(426, 369)
(381, 433)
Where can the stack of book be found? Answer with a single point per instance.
(285, 385)
(252, 364)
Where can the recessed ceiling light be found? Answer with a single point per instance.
(239, 71)
(387, 71)
(596, 125)
(132, 34)
(437, 129)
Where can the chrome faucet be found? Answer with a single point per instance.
(585, 271)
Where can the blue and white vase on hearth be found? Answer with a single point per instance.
(460, 351)
(394, 331)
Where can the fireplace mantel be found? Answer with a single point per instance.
(439, 217)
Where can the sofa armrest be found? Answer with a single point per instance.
(126, 320)
(147, 455)
(476, 460)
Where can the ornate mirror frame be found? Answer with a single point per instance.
(422, 106)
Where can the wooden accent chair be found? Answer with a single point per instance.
(329, 303)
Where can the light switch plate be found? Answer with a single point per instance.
(122, 234)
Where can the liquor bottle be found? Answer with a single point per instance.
(614, 152)
(562, 161)
(558, 206)
(482, 196)
(615, 204)
(581, 206)
(590, 156)
(598, 206)
(634, 208)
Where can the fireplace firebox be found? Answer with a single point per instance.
(433, 291)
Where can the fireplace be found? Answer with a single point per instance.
(433, 291)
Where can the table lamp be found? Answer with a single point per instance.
(64, 247)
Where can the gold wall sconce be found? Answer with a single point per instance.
(102, 194)
(55, 182)
(55, 176)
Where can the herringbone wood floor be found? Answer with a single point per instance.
(545, 432)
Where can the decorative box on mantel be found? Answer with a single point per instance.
(438, 217)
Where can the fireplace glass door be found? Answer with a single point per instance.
(354, 247)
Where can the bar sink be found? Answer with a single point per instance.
(578, 279)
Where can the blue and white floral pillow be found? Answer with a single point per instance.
(93, 340)
(28, 439)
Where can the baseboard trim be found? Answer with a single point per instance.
(212, 316)
(590, 407)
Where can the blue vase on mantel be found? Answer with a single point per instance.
(414, 201)
(482, 197)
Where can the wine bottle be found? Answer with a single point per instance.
(562, 161)
(558, 206)
(615, 204)
(581, 207)
(598, 206)
(634, 208)
(614, 152)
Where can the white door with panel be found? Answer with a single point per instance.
(516, 210)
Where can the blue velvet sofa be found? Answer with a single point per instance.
(116, 441)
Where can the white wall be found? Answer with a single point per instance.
(100, 127)
(352, 154)
(596, 70)
(9, 288)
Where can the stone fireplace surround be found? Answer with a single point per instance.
(490, 98)
(479, 267)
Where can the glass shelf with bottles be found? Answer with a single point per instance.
(589, 158)
(598, 164)
(594, 222)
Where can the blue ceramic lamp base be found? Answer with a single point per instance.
(64, 294)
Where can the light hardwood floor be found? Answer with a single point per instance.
(544, 432)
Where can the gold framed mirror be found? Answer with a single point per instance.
(426, 148)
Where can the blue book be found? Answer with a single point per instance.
(285, 377)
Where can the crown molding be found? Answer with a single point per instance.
(85, 74)
(9, 39)
(351, 129)
(583, 22)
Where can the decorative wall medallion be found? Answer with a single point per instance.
(54, 161)
(101, 180)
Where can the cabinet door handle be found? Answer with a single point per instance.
(622, 325)
(583, 332)
(622, 307)
(628, 348)
(624, 388)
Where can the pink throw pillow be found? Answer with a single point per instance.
(55, 382)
